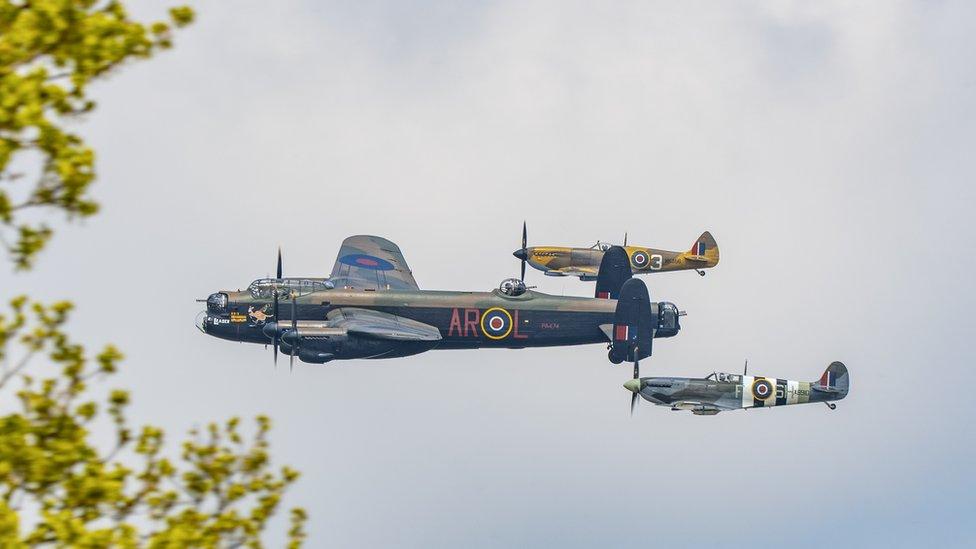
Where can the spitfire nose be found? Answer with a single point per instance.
(522, 254)
(632, 385)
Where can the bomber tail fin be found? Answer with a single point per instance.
(633, 325)
(705, 249)
(614, 271)
(835, 379)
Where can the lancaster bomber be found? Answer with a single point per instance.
(585, 262)
(372, 307)
(720, 391)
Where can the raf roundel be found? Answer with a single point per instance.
(639, 259)
(762, 389)
(364, 261)
(496, 323)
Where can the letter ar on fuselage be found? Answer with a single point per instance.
(371, 307)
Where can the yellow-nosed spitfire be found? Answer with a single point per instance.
(585, 262)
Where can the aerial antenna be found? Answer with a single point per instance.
(625, 240)
(746, 367)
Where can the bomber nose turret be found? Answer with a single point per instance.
(217, 303)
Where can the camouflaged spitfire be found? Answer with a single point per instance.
(372, 307)
(585, 262)
(719, 392)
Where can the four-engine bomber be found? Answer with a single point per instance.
(371, 307)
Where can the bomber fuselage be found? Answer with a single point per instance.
(465, 320)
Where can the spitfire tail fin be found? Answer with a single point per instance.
(706, 248)
(614, 271)
(835, 379)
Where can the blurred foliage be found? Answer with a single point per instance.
(58, 488)
(50, 50)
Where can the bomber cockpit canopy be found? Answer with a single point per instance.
(263, 288)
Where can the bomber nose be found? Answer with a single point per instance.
(521, 253)
(632, 385)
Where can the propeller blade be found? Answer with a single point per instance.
(525, 239)
(274, 314)
(633, 397)
(294, 329)
(279, 262)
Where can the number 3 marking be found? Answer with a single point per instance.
(656, 262)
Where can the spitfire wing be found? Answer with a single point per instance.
(582, 272)
(700, 408)
(371, 262)
(380, 325)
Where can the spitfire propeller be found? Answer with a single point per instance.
(634, 385)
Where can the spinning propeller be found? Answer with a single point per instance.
(523, 253)
(634, 385)
(274, 310)
(274, 327)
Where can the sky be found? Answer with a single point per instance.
(827, 146)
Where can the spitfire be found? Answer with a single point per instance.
(719, 392)
(585, 262)
(372, 307)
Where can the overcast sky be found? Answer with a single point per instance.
(828, 147)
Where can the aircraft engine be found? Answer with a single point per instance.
(317, 347)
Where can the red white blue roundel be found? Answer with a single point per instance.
(639, 259)
(364, 261)
(496, 323)
(762, 389)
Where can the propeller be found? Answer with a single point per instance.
(273, 329)
(633, 395)
(523, 253)
(276, 334)
(274, 337)
(294, 331)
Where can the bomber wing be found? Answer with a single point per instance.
(371, 262)
(380, 325)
